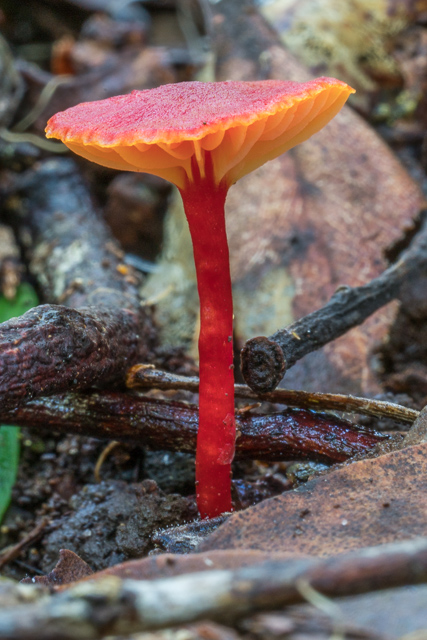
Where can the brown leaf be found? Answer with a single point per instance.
(70, 567)
(366, 503)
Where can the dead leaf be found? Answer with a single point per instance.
(314, 219)
(69, 568)
(364, 504)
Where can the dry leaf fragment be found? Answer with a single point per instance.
(69, 568)
(366, 503)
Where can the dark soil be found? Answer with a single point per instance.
(113, 521)
(104, 523)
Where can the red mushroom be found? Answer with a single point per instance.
(203, 137)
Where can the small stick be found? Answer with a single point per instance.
(165, 425)
(11, 268)
(102, 458)
(264, 361)
(142, 376)
(10, 553)
(112, 606)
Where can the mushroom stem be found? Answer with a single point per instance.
(204, 207)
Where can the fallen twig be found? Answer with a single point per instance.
(146, 377)
(120, 607)
(52, 348)
(165, 425)
(10, 263)
(264, 361)
(9, 554)
(77, 264)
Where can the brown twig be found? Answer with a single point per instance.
(52, 348)
(77, 264)
(102, 458)
(70, 249)
(146, 377)
(120, 607)
(10, 263)
(11, 553)
(264, 361)
(160, 424)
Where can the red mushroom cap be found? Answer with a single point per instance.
(159, 131)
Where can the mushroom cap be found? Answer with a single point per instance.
(170, 130)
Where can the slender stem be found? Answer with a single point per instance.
(204, 207)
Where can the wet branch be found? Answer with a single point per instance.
(166, 425)
(264, 361)
(121, 607)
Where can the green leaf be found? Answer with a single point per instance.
(25, 299)
(9, 459)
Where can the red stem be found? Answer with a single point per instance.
(204, 207)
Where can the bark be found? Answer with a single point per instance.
(95, 327)
(164, 425)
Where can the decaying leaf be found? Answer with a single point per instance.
(69, 568)
(366, 503)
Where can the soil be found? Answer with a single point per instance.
(103, 523)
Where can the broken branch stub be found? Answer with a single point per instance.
(264, 361)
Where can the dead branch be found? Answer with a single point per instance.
(77, 264)
(118, 607)
(142, 376)
(10, 553)
(166, 425)
(52, 348)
